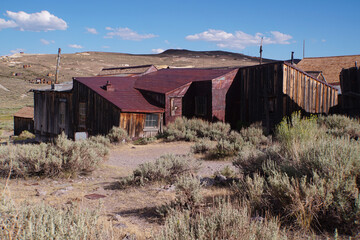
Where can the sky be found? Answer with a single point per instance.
(328, 27)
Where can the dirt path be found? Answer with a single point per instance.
(130, 156)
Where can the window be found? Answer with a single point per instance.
(82, 114)
(151, 120)
(200, 105)
(62, 108)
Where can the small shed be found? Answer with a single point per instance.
(24, 120)
(53, 111)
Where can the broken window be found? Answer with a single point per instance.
(82, 114)
(62, 112)
(200, 105)
(151, 120)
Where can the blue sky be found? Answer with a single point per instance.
(329, 28)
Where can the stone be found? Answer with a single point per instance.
(40, 192)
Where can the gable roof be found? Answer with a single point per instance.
(329, 66)
(124, 96)
(25, 112)
(166, 80)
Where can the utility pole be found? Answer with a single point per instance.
(57, 67)
(304, 49)
(261, 50)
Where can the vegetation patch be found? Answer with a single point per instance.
(65, 158)
(118, 135)
(165, 169)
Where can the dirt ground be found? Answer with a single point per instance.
(131, 209)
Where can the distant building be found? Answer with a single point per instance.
(330, 67)
(24, 120)
(350, 87)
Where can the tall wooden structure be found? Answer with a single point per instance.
(266, 93)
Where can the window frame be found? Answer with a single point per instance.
(154, 118)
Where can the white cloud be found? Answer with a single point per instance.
(91, 30)
(157, 50)
(127, 34)
(239, 39)
(17, 50)
(7, 24)
(75, 46)
(105, 47)
(323, 40)
(46, 42)
(40, 21)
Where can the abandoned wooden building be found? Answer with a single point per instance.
(24, 120)
(350, 87)
(53, 111)
(142, 104)
(266, 93)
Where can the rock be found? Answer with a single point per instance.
(120, 225)
(220, 178)
(40, 192)
(207, 182)
(117, 217)
(62, 191)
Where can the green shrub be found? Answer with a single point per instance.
(64, 158)
(309, 178)
(118, 135)
(165, 169)
(41, 221)
(254, 135)
(24, 135)
(228, 172)
(223, 221)
(188, 195)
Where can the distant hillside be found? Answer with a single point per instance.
(212, 54)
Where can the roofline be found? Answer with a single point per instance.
(333, 56)
(140, 66)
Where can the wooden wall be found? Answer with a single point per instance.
(101, 115)
(22, 124)
(266, 93)
(47, 117)
(134, 124)
(350, 89)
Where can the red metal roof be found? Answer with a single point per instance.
(166, 80)
(124, 96)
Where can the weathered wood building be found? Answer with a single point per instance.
(103, 102)
(266, 93)
(350, 88)
(24, 120)
(53, 111)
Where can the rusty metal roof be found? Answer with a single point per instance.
(166, 80)
(25, 112)
(124, 96)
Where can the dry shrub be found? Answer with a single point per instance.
(64, 158)
(339, 125)
(223, 221)
(118, 135)
(183, 129)
(165, 169)
(42, 221)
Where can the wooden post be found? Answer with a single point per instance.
(57, 67)
(261, 50)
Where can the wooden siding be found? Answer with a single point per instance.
(134, 124)
(47, 115)
(350, 88)
(22, 124)
(100, 114)
(266, 93)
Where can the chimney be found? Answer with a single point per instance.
(292, 58)
(109, 87)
